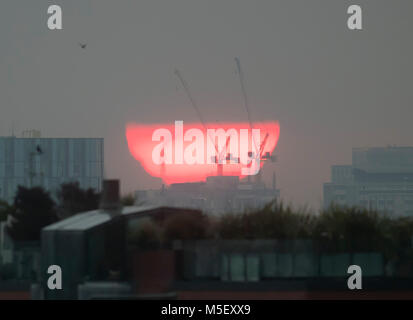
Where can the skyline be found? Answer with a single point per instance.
(330, 89)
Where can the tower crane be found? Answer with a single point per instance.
(260, 150)
(218, 159)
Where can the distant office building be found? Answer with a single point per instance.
(48, 162)
(379, 179)
(219, 194)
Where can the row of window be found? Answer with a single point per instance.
(57, 169)
(56, 149)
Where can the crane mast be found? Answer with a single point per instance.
(191, 99)
(260, 150)
(246, 103)
(218, 157)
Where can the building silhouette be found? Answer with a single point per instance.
(48, 162)
(379, 179)
(217, 195)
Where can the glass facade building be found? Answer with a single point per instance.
(379, 179)
(49, 162)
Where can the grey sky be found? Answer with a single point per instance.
(330, 88)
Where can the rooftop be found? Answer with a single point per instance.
(90, 219)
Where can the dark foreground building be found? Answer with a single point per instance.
(119, 253)
(93, 251)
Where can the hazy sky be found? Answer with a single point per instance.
(331, 89)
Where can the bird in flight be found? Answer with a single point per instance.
(83, 45)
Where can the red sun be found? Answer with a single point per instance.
(190, 152)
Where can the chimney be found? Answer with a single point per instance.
(110, 199)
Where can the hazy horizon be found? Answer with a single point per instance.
(331, 89)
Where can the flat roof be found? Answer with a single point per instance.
(90, 219)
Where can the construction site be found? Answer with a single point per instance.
(216, 168)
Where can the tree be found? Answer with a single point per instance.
(5, 210)
(186, 226)
(128, 200)
(73, 199)
(33, 210)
